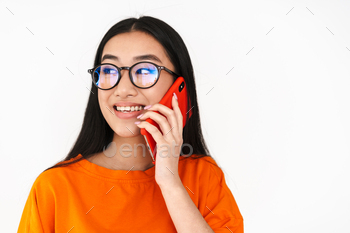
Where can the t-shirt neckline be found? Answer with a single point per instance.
(122, 175)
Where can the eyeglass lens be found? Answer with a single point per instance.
(142, 75)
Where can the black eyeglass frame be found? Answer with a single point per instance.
(160, 68)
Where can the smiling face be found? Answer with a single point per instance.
(126, 47)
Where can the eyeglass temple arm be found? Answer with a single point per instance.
(170, 71)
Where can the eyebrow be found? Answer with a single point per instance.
(137, 58)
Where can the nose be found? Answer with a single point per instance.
(125, 86)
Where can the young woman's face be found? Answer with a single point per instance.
(126, 47)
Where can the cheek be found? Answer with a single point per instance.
(103, 102)
(155, 95)
(157, 92)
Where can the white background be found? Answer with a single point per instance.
(273, 84)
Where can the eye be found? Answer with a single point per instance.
(144, 71)
(109, 71)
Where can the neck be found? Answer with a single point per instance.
(124, 153)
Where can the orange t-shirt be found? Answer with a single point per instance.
(85, 197)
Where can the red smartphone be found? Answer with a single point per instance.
(179, 87)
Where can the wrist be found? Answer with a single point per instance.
(170, 183)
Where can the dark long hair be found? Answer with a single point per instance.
(96, 134)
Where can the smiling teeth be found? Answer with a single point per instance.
(129, 108)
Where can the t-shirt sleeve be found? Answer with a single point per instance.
(38, 213)
(222, 213)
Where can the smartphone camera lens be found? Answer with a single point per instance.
(181, 86)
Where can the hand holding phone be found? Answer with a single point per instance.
(179, 88)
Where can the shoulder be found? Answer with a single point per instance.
(200, 166)
(56, 176)
(48, 179)
(202, 161)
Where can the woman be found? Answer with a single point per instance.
(100, 188)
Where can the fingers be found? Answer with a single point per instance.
(172, 123)
(161, 121)
(156, 134)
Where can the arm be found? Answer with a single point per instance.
(184, 213)
(217, 205)
(31, 220)
(38, 213)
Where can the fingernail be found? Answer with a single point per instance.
(175, 95)
(139, 116)
(147, 107)
(137, 122)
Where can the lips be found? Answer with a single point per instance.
(127, 115)
(125, 111)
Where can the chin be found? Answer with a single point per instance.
(126, 133)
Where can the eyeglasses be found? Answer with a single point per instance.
(142, 75)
